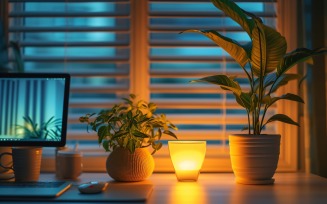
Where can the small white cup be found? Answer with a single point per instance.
(69, 164)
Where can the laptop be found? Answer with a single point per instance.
(27, 99)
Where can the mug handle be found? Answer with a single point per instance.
(5, 167)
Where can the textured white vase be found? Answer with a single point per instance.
(254, 157)
(124, 166)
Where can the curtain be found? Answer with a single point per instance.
(315, 29)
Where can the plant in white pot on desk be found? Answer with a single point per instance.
(126, 131)
(264, 60)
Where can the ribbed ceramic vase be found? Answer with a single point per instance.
(124, 166)
(254, 157)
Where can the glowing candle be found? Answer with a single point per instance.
(187, 158)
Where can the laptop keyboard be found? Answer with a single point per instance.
(32, 184)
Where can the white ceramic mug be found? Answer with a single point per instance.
(69, 164)
(26, 163)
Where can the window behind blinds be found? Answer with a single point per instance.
(201, 111)
(98, 43)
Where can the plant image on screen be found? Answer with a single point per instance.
(48, 130)
(31, 109)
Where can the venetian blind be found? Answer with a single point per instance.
(96, 42)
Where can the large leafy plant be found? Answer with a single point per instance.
(130, 125)
(268, 65)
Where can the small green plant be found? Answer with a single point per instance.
(50, 130)
(267, 62)
(130, 125)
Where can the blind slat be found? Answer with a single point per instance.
(76, 59)
(69, 29)
(200, 1)
(177, 29)
(70, 1)
(71, 14)
(197, 15)
(74, 44)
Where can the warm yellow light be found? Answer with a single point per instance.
(187, 158)
(188, 193)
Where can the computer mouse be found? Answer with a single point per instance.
(93, 187)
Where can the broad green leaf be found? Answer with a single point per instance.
(236, 50)
(297, 56)
(129, 115)
(268, 48)
(152, 107)
(223, 81)
(269, 79)
(173, 126)
(288, 96)
(132, 96)
(119, 134)
(125, 142)
(159, 133)
(227, 83)
(284, 79)
(236, 13)
(131, 146)
(244, 100)
(128, 101)
(282, 118)
(259, 50)
(102, 132)
(105, 145)
(137, 133)
(167, 132)
(156, 147)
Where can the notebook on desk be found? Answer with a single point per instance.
(33, 189)
(116, 192)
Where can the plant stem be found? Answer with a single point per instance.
(252, 91)
(263, 116)
(251, 84)
(249, 77)
(249, 126)
(261, 78)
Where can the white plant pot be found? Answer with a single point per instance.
(254, 157)
(123, 166)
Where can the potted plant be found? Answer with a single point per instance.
(264, 60)
(126, 131)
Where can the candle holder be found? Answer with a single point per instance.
(187, 158)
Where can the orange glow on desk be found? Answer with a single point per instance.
(190, 192)
(187, 158)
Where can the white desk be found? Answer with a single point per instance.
(289, 188)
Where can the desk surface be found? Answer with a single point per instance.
(221, 188)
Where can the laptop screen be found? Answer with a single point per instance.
(33, 109)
